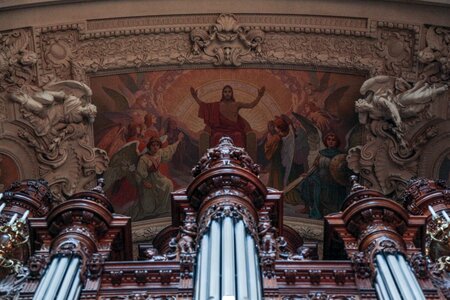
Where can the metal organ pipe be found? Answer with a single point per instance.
(61, 280)
(214, 282)
(395, 279)
(387, 277)
(204, 269)
(48, 275)
(411, 278)
(402, 282)
(227, 196)
(69, 278)
(227, 263)
(228, 258)
(241, 262)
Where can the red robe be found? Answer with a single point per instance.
(221, 126)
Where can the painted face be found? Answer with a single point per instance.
(227, 93)
(331, 141)
(154, 147)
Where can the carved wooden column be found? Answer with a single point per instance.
(378, 234)
(227, 194)
(75, 238)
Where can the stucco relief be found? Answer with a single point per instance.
(436, 55)
(56, 121)
(33, 58)
(227, 42)
(369, 46)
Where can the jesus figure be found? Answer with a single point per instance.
(222, 117)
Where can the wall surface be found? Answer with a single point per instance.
(17, 14)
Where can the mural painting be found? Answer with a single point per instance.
(9, 172)
(296, 124)
(444, 169)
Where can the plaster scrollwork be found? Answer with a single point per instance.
(17, 61)
(95, 55)
(57, 119)
(397, 116)
(57, 49)
(395, 47)
(436, 55)
(322, 50)
(226, 42)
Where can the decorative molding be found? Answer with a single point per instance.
(227, 41)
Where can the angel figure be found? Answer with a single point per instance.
(59, 104)
(290, 146)
(142, 172)
(393, 99)
(323, 186)
(133, 109)
(278, 149)
(320, 101)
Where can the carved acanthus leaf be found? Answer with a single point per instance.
(226, 41)
(436, 55)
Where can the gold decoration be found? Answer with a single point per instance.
(12, 236)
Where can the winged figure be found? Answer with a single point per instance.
(393, 99)
(58, 104)
(136, 175)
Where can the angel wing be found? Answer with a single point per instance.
(333, 100)
(287, 154)
(129, 82)
(354, 137)
(123, 163)
(321, 84)
(120, 101)
(111, 139)
(71, 87)
(374, 84)
(307, 143)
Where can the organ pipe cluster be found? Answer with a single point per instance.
(395, 279)
(61, 280)
(228, 264)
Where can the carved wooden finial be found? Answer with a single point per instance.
(225, 154)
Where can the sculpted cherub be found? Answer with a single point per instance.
(57, 105)
(395, 100)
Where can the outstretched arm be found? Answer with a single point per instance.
(194, 94)
(256, 101)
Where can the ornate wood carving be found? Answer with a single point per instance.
(373, 224)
